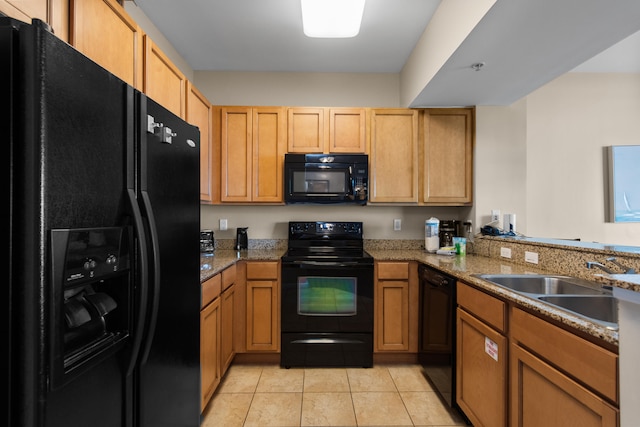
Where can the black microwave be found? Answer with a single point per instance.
(326, 178)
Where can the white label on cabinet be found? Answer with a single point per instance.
(491, 348)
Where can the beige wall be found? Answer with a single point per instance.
(569, 121)
(542, 157)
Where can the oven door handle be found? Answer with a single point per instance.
(327, 264)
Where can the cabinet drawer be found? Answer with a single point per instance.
(393, 270)
(587, 362)
(210, 290)
(262, 270)
(491, 310)
(228, 277)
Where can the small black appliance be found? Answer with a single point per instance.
(326, 178)
(242, 239)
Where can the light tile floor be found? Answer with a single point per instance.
(387, 395)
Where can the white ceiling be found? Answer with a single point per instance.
(524, 43)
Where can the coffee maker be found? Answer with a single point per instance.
(448, 230)
(242, 240)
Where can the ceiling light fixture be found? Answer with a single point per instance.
(332, 18)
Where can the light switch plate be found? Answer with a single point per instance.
(505, 252)
(397, 224)
(223, 224)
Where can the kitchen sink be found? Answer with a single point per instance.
(544, 284)
(602, 309)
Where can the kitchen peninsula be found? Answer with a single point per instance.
(554, 258)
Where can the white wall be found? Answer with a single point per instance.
(569, 121)
(500, 163)
(300, 89)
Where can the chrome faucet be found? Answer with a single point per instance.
(627, 270)
(591, 264)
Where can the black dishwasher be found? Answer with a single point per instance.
(437, 330)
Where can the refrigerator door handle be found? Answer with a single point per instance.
(155, 253)
(144, 281)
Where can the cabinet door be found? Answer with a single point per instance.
(393, 168)
(448, 156)
(306, 130)
(227, 314)
(269, 145)
(347, 130)
(25, 10)
(163, 81)
(481, 372)
(236, 137)
(199, 113)
(209, 350)
(262, 306)
(262, 315)
(103, 31)
(543, 396)
(392, 315)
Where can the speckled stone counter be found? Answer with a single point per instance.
(211, 265)
(466, 267)
(485, 261)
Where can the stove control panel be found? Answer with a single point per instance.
(326, 229)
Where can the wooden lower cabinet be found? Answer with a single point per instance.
(209, 350)
(263, 308)
(481, 379)
(396, 310)
(227, 310)
(518, 369)
(543, 396)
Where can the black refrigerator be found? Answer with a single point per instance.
(101, 314)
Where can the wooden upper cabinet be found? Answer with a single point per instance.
(199, 113)
(236, 136)
(25, 10)
(326, 130)
(103, 31)
(347, 130)
(448, 156)
(393, 157)
(306, 130)
(269, 144)
(252, 154)
(163, 81)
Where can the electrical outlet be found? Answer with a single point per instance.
(397, 224)
(495, 215)
(505, 252)
(223, 224)
(531, 257)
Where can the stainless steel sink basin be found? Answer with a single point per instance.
(601, 309)
(544, 284)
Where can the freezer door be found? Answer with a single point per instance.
(169, 371)
(69, 134)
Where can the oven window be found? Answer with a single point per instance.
(326, 181)
(327, 296)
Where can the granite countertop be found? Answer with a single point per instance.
(466, 267)
(210, 265)
(462, 267)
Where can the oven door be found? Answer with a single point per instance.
(327, 314)
(327, 297)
